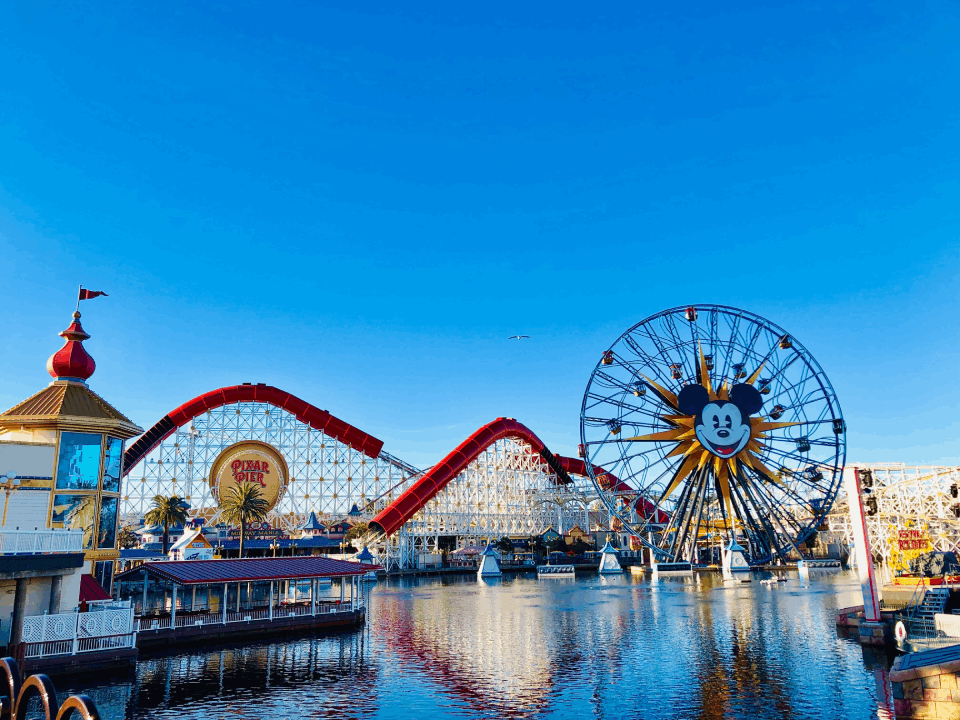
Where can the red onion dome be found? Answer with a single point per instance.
(72, 361)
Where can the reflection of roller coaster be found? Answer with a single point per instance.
(502, 480)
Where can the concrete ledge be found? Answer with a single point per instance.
(159, 640)
(850, 616)
(928, 691)
(82, 663)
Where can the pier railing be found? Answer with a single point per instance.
(183, 619)
(26, 542)
(74, 633)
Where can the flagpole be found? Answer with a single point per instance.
(79, 290)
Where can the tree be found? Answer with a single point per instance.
(537, 546)
(356, 531)
(244, 503)
(504, 545)
(167, 511)
(127, 538)
(579, 547)
(558, 544)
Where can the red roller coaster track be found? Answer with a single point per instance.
(414, 498)
(392, 517)
(305, 412)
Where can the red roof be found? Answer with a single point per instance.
(90, 589)
(205, 572)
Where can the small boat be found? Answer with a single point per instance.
(672, 568)
(773, 580)
(556, 571)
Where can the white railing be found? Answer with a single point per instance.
(153, 623)
(190, 619)
(948, 625)
(72, 633)
(18, 542)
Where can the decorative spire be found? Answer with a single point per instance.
(72, 362)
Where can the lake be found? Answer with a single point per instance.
(527, 648)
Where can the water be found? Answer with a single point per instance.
(528, 648)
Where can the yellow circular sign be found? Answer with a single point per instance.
(250, 461)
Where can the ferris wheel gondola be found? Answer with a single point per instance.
(717, 424)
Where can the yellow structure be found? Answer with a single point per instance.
(61, 451)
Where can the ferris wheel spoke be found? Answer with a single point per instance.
(777, 516)
(765, 485)
(679, 344)
(613, 400)
(766, 511)
(695, 504)
(742, 512)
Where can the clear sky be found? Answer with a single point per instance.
(360, 205)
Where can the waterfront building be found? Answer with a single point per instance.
(61, 453)
(205, 600)
(192, 545)
(312, 527)
(65, 444)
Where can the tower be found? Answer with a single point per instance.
(64, 445)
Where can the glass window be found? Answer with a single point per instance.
(76, 512)
(78, 467)
(108, 523)
(103, 572)
(111, 465)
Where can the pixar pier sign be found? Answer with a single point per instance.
(250, 471)
(250, 461)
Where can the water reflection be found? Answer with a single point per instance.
(522, 647)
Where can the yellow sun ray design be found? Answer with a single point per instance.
(696, 455)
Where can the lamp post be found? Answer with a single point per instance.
(274, 545)
(12, 484)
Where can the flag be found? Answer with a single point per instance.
(90, 294)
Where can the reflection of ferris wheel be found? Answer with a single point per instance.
(706, 421)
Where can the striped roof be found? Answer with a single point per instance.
(63, 403)
(207, 572)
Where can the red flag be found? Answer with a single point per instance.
(90, 294)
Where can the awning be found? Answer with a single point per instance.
(468, 550)
(90, 589)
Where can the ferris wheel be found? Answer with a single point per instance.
(706, 423)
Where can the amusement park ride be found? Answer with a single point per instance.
(724, 423)
(699, 425)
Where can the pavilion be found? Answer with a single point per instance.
(201, 600)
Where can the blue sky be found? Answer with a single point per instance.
(359, 206)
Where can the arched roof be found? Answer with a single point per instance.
(305, 412)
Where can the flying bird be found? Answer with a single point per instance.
(518, 337)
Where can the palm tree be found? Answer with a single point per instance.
(167, 511)
(244, 503)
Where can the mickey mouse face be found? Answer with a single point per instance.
(722, 429)
(722, 426)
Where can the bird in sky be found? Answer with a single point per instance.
(518, 337)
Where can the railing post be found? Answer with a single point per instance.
(224, 603)
(173, 607)
(271, 600)
(313, 596)
(76, 631)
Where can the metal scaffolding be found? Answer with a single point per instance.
(327, 476)
(507, 491)
(908, 498)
